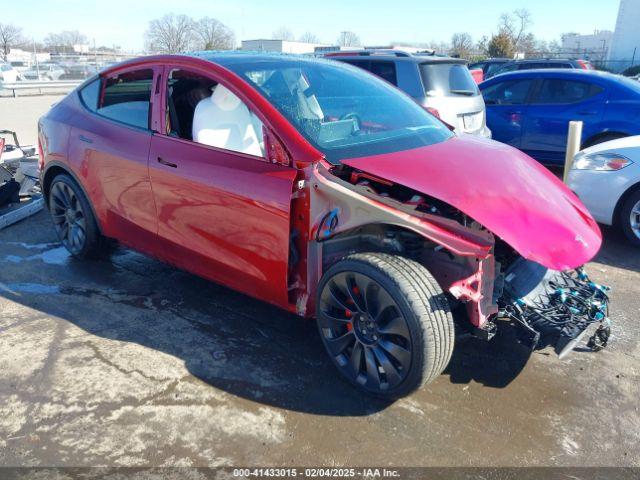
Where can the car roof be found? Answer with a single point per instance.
(546, 60)
(567, 73)
(395, 58)
(236, 57)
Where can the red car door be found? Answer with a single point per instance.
(109, 150)
(222, 214)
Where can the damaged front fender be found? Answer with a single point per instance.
(460, 259)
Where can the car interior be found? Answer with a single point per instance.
(203, 111)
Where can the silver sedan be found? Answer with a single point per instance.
(606, 177)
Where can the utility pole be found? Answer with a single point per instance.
(35, 58)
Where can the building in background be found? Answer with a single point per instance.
(594, 47)
(625, 46)
(282, 46)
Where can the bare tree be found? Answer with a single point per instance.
(461, 45)
(212, 34)
(170, 34)
(439, 47)
(348, 39)
(515, 25)
(10, 35)
(483, 44)
(283, 33)
(66, 38)
(309, 37)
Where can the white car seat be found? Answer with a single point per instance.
(224, 121)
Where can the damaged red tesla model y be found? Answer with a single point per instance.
(319, 188)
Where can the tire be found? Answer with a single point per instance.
(607, 137)
(630, 221)
(385, 323)
(73, 219)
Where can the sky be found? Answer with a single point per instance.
(123, 22)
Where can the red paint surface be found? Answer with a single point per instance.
(503, 189)
(478, 75)
(223, 215)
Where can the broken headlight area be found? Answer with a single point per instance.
(555, 308)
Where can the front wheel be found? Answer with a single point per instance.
(630, 218)
(385, 323)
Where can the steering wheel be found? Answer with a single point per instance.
(356, 119)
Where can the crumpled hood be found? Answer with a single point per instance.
(505, 190)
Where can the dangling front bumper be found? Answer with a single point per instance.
(556, 308)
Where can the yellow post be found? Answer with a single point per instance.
(573, 146)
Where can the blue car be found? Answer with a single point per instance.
(531, 110)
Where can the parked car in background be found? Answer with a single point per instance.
(20, 66)
(606, 177)
(477, 74)
(489, 66)
(78, 71)
(442, 85)
(44, 71)
(531, 110)
(539, 63)
(8, 74)
(319, 188)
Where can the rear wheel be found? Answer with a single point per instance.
(630, 218)
(385, 323)
(73, 219)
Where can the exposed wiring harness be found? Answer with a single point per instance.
(569, 303)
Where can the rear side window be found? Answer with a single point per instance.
(90, 94)
(126, 98)
(507, 93)
(447, 79)
(385, 70)
(555, 91)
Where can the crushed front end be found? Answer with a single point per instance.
(487, 279)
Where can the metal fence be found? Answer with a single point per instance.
(39, 86)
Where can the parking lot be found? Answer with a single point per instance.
(130, 362)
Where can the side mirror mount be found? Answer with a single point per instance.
(274, 150)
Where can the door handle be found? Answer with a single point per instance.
(85, 139)
(587, 112)
(162, 161)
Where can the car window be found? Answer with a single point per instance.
(90, 94)
(6, 68)
(356, 63)
(343, 112)
(554, 91)
(385, 70)
(507, 67)
(202, 111)
(492, 68)
(512, 92)
(532, 66)
(447, 79)
(126, 98)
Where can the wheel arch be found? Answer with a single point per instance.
(52, 170)
(623, 198)
(592, 140)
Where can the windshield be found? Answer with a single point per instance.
(447, 79)
(343, 111)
